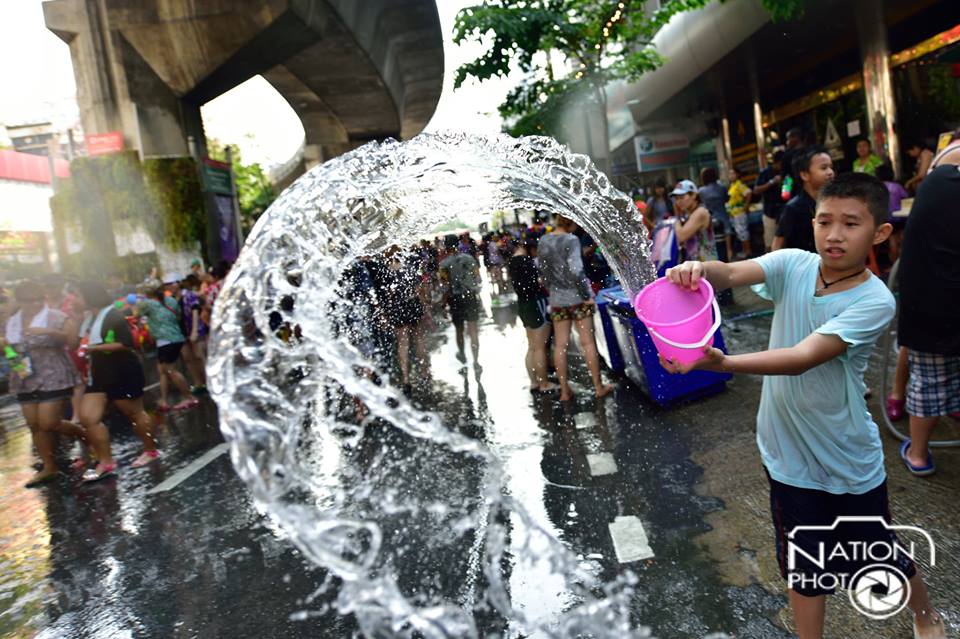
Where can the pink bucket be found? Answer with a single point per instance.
(678, 319)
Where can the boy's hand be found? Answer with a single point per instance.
(712, 360)
(687, 275)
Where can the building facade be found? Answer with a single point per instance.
(733, 81)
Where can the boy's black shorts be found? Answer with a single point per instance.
(792, 507)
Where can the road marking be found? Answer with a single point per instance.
(583, 420)
(184, 473)
(630, 540)
(601, 464)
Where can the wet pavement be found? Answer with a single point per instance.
(178, 549)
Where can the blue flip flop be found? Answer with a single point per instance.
(920, 471)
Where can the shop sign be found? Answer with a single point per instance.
(661, 151)
(104, 143)
(20, 243)
(216, 177)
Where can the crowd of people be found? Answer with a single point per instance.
(821, 450)
(785, 190)
(552, 272)
(73, 348)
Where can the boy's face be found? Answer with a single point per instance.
(820, 171)
(844, 231)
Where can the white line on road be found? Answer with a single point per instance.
(601, 464)
(184, 473)
(630, 540)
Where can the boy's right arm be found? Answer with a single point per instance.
(721, 275)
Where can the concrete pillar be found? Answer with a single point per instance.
(877, 81)
(757, 114)
(725, 159)
(116, 89)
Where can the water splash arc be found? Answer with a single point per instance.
(368, 500)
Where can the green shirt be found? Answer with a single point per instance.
(163, 320)
(867, 165)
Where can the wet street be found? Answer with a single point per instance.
(677, 496)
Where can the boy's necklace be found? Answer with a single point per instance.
(827, 284)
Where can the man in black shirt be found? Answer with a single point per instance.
(795, 230)
(768, 188)
(795, 149)
(929, 325)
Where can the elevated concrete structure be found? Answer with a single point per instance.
(353, 71)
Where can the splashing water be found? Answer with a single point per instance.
(409, 513)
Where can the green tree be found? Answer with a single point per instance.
(596, 41)
(254, 189)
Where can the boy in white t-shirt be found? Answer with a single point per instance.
(819, 445)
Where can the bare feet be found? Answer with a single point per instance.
(603, 391)
(547, 387)
(565, 394)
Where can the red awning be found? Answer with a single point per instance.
(26, 167)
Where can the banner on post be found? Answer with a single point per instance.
(104, 143)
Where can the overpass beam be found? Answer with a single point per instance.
(116, 89)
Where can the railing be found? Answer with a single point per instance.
(283, 174)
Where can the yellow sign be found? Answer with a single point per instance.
(944, 140)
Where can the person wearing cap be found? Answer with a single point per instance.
(196, 269)
(694, 226)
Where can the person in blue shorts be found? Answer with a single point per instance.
(819, 445)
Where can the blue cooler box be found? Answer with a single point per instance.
(607, 344)
(641, 364)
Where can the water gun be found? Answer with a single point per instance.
(110, 338)
(787, 189)
(82, 349)
(19, 365)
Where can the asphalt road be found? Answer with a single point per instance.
(178, 550)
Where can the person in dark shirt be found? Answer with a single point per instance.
(795, 230)
(532, 308)
(929, 325)
(116, 376)
(714, 198)
(795, 149)
(768, 189)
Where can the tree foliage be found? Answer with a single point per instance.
(254, 189)
(594, 42)
(161, 196)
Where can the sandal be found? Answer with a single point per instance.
(919, 471)
(146, 457)
(551, 388)
(40, 480)
(98, 472)
(79, 464)
(186, 404)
